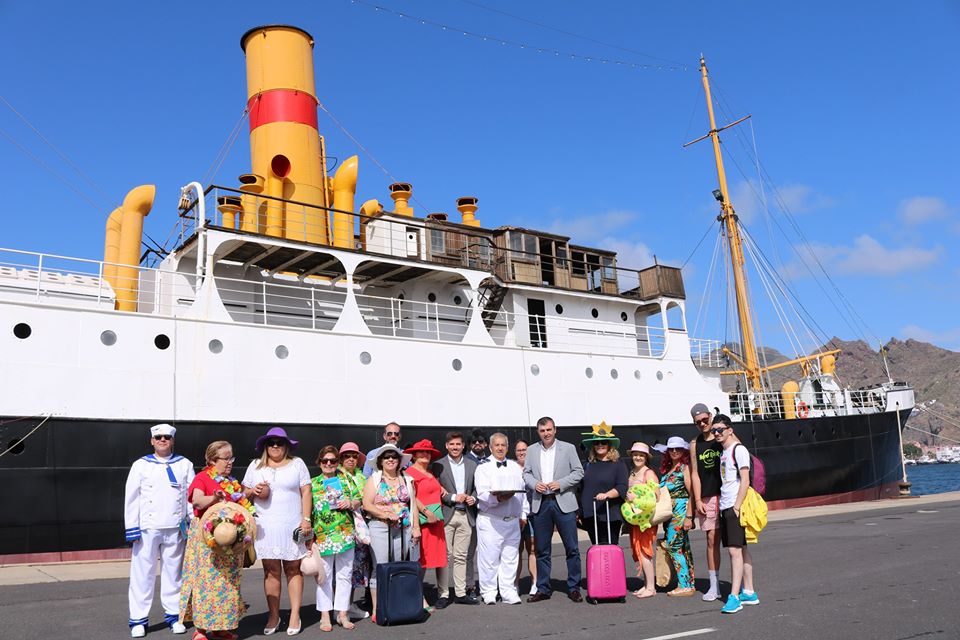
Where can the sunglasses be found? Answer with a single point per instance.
(718, 430)
(702, 420)
(349, 455)
(392, 434)
(163, 437)
(276, 443)
(389, 456)
(329, 461)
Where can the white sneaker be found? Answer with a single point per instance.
(178, 628)
(710, 596)
(356, 613)
(138, 631)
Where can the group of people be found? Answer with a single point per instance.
(472, 513)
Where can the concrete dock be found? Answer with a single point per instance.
(884, 570)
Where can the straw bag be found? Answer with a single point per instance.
(664, 510)
(663, 568)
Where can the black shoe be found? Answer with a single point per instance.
(575, 596)
(473, 593)
(442, 603)
(467, 599)
(538, 597)
(591, 600)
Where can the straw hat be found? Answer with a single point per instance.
(601, 433)
(404, 457)
(640, 447)
(423, 446)
(225, 519)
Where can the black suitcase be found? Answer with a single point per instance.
(399, 589)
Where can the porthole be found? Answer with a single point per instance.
(456, 364)
(559, 309)
(22, 330)
(589, 372)
(108, 338)
(161, 342)
(215, 346)
(432, 297)
(15, 447)
(365, 357)
(281, 352)
(659, 375)
(457, 300)
(669, 374)
(594, 312)
(614, 374)
(534, 369)
(623, 316)
(636, 373)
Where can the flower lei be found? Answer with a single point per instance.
(232, 488)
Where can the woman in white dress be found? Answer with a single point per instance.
(283, 501)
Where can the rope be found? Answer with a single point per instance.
(24, 438)
(224, 151)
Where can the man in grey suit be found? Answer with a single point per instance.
(552, 471)
(455, 473)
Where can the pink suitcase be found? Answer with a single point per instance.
(606, 569)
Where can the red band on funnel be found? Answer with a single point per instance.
(282, 105)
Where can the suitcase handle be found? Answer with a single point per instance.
(404, 552)
(596, 533)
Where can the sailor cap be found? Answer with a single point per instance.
(163, 430)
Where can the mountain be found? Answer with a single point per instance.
(933, 372)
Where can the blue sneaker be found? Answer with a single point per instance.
(733, 605)
(750, 599)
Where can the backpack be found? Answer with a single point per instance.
(758, 473)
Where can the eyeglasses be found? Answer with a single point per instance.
(329, 461)
(718, 430)
(392, 434)
(163, 437)
(276, 443)
(350, 455)
(231, 459)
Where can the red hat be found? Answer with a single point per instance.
(423, 445)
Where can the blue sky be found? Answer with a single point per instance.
(853, 105)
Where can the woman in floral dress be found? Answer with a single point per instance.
(675, 476)
(210, 594)
(334, 500)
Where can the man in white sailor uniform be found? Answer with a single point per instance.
(502, 502)
(155, 515)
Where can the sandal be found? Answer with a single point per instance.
(344, 621)
(682, 593)
(326, 627)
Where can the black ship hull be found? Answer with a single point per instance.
(65, 481)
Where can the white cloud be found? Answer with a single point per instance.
(921, 209)
(795, 198)
(590, 229)
(949, 339)
(866, 256)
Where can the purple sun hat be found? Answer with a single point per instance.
(274, 432)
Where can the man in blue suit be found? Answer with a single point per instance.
(552, 471)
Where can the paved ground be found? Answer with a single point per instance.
(878, 570)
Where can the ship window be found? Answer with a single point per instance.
(523, 246)
(594, 312)
(535, 369)
(579, 267)
(559, 309)
(636, 373)
(365, 358)
(457, 365)
(608, 270)
(108, 338)
(561, 255)
(623, 316)
(588, 372)
(22, 330)
(215, 346)
(281, 352)
(614, 374)
(437, 241)
(659, 375)
(432, 297)
(161, 342)
(457, 300)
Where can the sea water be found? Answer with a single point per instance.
(933, 478)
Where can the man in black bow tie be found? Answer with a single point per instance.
(502, 502)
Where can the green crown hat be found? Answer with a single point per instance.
(601, 433)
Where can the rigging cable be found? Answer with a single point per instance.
(225, 149)
(521, 45)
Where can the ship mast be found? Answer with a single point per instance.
(728, 217)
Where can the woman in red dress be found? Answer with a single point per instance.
(433, 541)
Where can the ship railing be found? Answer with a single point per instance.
(831, 402)
(707, 354)
(382, 233)
(44, 276)
(418, 319)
